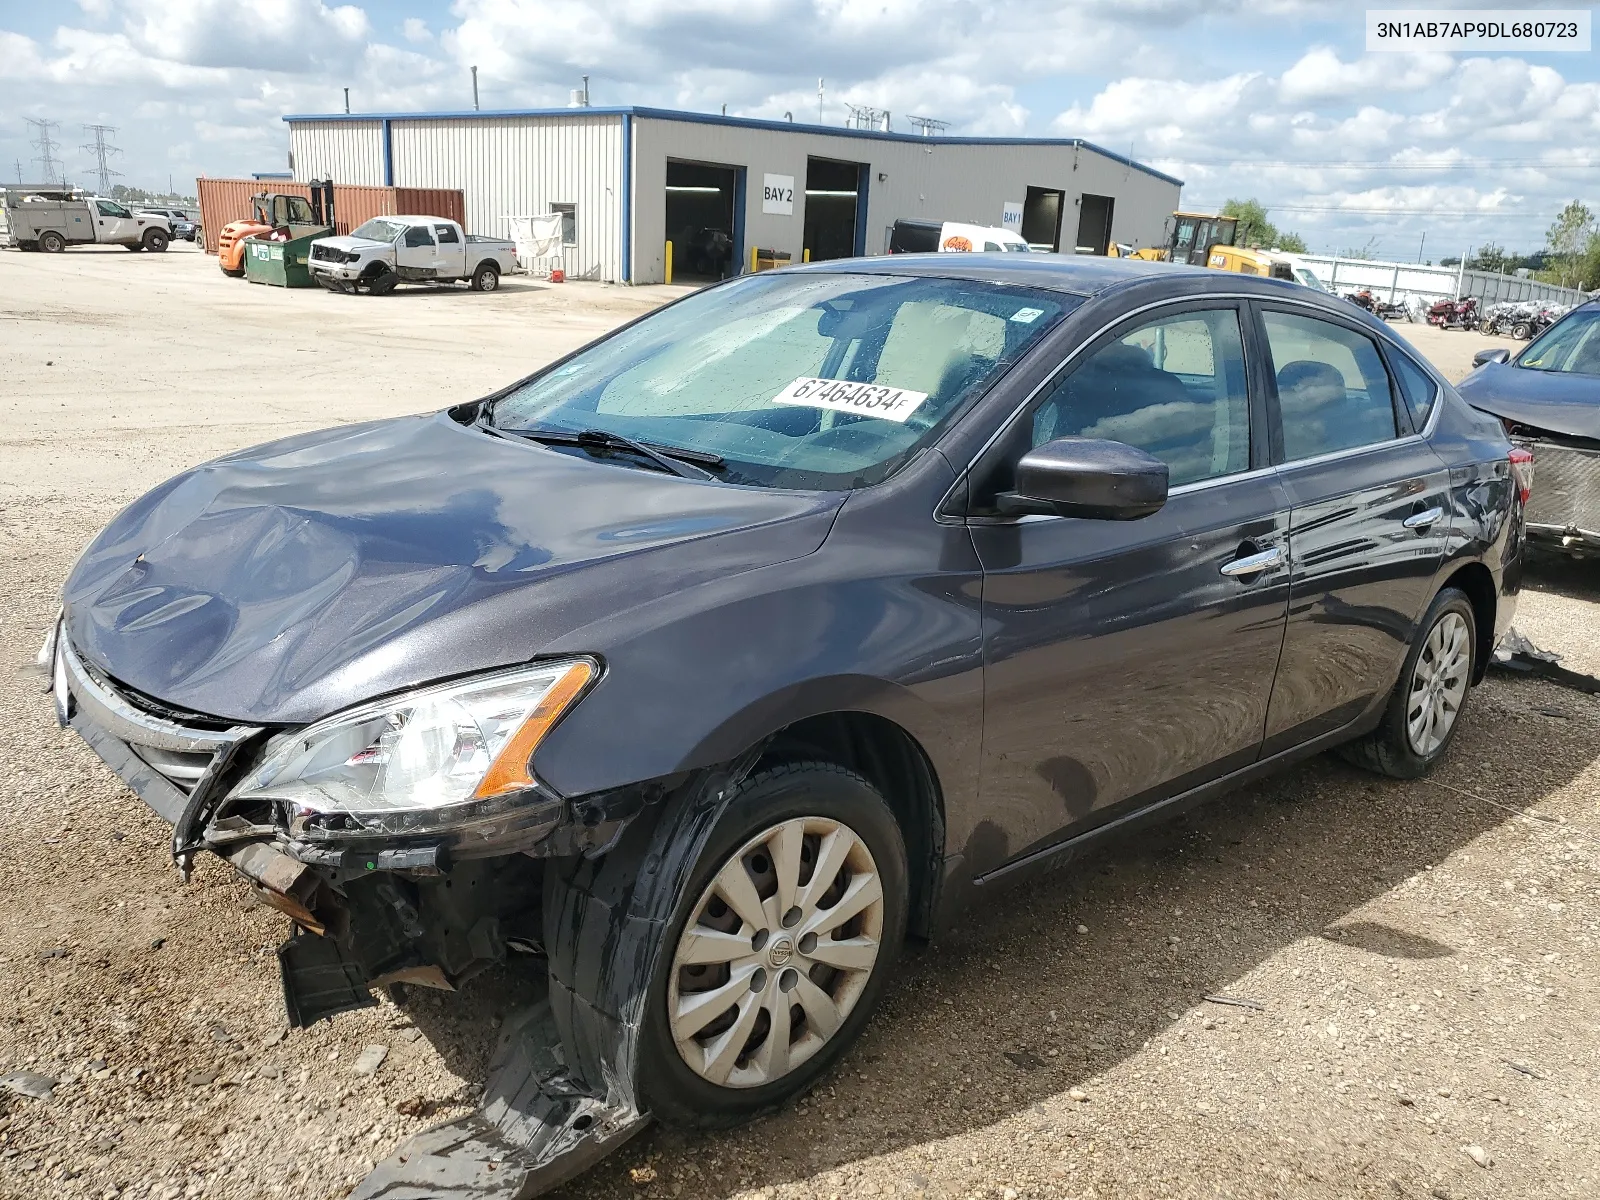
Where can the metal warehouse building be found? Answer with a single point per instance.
(631, 179)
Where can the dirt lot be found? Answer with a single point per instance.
(1420, 956)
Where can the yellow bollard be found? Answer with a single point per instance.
(669, 262)
(805, 255)
(752, 260)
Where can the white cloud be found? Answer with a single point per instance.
(416, 30)
(1320, 75)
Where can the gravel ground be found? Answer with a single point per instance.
(1418, 957)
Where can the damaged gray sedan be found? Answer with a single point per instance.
(720, 657)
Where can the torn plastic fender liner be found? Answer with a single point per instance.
(563, 1090)
(1516, 653)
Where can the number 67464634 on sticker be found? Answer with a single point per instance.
(842, 395)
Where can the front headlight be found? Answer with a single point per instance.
(386, 763)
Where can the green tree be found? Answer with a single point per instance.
(1568, 246)
(1492, 258)
(1254, 229)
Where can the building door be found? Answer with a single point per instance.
(1041, 217)
(1094, 224)
(703, 211)
(835, 208)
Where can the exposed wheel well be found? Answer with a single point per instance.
(893, 762)
(1474, 579)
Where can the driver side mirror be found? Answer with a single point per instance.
(1495, 354)
(1087, 477)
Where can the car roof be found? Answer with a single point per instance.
(1077, 274)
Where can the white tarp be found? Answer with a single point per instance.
(537, 237)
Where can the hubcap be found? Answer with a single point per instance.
(776, 953)
(1438, 684)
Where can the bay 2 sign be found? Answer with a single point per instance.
(777, 195)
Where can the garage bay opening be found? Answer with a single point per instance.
(835, 208)
(701, 225)
(1094, 224)
(1041, 218)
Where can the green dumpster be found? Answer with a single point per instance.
(282, 264)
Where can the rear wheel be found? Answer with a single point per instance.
(486, 278)
(1522, 331)
(52, 242)
(795, 914)
(155, 240)
(1425, 709)
(231, 272)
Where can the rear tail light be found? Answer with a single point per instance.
(1522, 470)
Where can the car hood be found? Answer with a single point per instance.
(346, 242)
(1549, 400)
(284, 582)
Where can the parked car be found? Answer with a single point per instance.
(1548, 398)
(910, 236)
(794, 617)
(182, 224)
(387, 251)
(53, 220)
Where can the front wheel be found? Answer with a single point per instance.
(1425, 709)
(786, 935)
(1522, 331)
(155, 240)
(486, 278)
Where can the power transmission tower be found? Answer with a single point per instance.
(103, 150)
(49, 164)
(928, 126)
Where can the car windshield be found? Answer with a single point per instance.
(1016, 247)
(378, 230)
(1571, 346)
(808, 380)
(1310, 280)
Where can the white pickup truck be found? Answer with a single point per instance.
(42, 218)
(386, 251)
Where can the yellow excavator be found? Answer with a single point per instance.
(1193, 239)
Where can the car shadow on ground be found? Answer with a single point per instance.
(1174, 914)
(1563, 575)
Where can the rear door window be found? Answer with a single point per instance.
(1417, 386)
(1333, 389)
(446, 234)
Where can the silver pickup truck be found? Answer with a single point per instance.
(387, 251)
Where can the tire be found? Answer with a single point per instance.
(232, 272)
(155, 240)
(1522, 331)
(381, 284)
(1394, 748)
(815, 798)
(52, 242)
(486, 278)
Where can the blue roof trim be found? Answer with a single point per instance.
(693, 118)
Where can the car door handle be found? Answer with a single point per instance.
(1423, 519)
(1253, 564)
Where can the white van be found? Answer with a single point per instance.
(947, 237)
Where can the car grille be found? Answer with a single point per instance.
(180, 746)
(1566, 486)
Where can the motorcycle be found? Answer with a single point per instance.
(1363, 299)
(1391, 310)
(1454, 314)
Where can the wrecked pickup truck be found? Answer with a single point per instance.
(718, 657)
(384, 252)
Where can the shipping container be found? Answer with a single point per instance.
(226, 200)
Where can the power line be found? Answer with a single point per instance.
(103, 150)
(49, 164)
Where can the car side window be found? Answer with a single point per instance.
(1333, 390)
(1174, 387)
(109, 208)
(418, 235)
(1417, 386)
(446, 235)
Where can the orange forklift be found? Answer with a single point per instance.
(278, 217)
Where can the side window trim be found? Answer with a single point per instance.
(1008, 442)
(1397, 406)
(1391, 356)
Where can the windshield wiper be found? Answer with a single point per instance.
(675, 460)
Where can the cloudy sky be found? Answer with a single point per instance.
(1268, 98)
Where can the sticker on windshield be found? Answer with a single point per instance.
(1027, 315)
(841, 395)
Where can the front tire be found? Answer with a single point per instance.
(155, 240)
(787, 933)
(1424, 710)
(1522, 331)
(486, 278)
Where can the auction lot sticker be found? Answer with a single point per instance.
(863, 399)
(1478, 29)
